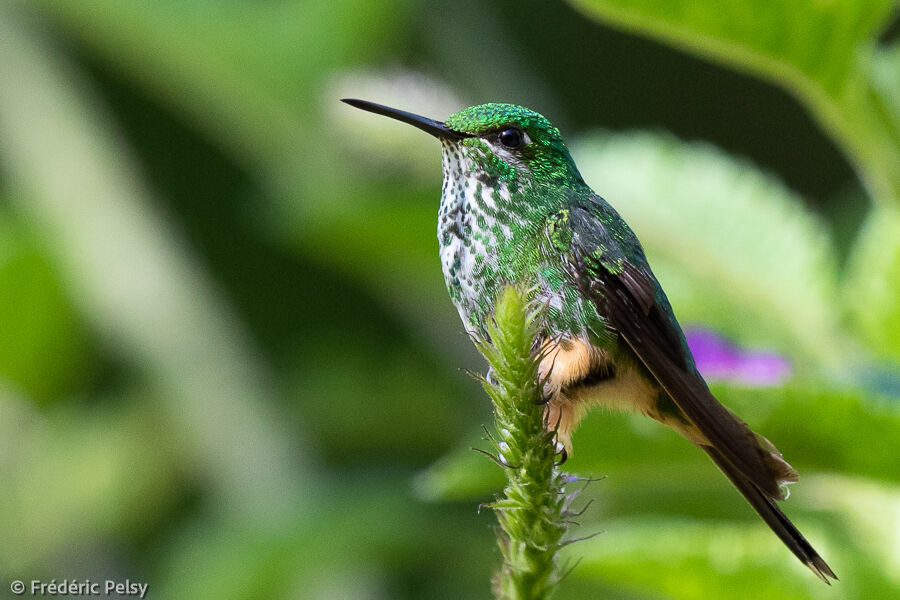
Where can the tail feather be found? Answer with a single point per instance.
(774, 518)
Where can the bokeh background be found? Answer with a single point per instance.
(228, 365)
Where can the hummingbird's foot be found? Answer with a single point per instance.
(490, 376)
(548, 391)
(562, 453)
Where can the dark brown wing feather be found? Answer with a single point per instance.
(648, 331)
(623, 299)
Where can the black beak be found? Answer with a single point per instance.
(435, 128)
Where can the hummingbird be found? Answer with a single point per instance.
(515, 210)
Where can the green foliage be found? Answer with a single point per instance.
(117, 481)
(128, 272)
(532, 511)
(39, 321)
(824, 52)
(872, 288)
(676, 558)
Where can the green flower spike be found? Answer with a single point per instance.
(533, 510)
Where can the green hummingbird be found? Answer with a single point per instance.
(515, 209)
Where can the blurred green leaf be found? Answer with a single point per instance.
(872, 283)
(732, 247)
(246, 73)
(352, 399)
(43, 344)
(131, 274)
(260, 80)
(365, 524)
(71, 473)
(461, 475)
(693, 560)
(815, 40)
(822, 51)
(241, 66)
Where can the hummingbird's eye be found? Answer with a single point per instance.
(512, 138)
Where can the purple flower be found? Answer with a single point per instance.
(720, 360)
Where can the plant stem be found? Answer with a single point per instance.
(532, 510)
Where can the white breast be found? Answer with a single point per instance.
(464, 202)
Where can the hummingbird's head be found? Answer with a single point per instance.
(501, 142)
(513, 144)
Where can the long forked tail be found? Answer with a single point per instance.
(774, 518)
